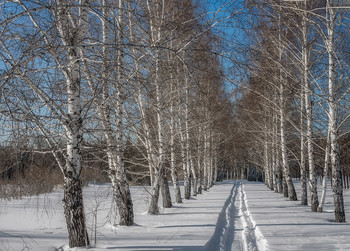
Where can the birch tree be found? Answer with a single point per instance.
(337, 185)
(109, 93)
(60, 35)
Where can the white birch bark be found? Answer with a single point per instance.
(286, 170)
(303, 94)
(211, 159)
(206, 160)
(190, 165)
(73, 200)
(156, 12)
(325, 174)
(332, 116)
(303, 178)
(308, 109)
(285, 162)
(122, 195)
(199, 160)
(274, 154)
(173, 167)
(185, 163)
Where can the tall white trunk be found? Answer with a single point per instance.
(185, 163)
(325, 174)
(173, 167)
(121, 191)
(274, 153)
(302, 113)
(211, 159)
(156, 12)
(200, 160)
(190, 165)
(73, 200)
(333, 103)
(206, 160)
(308, 108)
(303, 176)
(286, 171)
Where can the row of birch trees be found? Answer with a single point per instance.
(87, 73)
(294, 104)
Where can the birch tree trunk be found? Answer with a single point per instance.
(173, 167)
(189, 157)
(308, 108)
(121, 191)
(185, 163)
(274, 153)
(73, 198)
(303, 95)
(165, 189)
(302, 150)
(156, 19)
(325, 174)
(206, 160)
(268, 175)
(280, 176)
(286, 171)
(211, 159)
(333, 103)
(199, 160)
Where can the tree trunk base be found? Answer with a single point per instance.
(74, 213)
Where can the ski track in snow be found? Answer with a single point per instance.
(223, 236)
(226, 236)
(252, 237)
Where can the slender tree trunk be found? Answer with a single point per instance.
(173, 168)
(74, 212)
(190, 167)
(274, 153)
(122, 198)
(280, 176)
(73, 199)
(195, 177)
(161, 147)
(215, 169)
(199, 161)
(325, 174)
(286, 171)
(334, 148)
(185, 168)
(308, 108)
(153, 206)
(165, 190)
(268, 173)
(211, 155)
(121, 191)
(302, 119)
(288, 179)
(206, 163)
(302, 151)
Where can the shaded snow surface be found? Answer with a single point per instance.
(232, 215)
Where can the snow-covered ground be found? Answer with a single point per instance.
(232, 215)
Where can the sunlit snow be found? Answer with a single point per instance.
(232, 215)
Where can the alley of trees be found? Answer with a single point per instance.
(157, 91)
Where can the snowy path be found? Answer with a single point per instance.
(289, 226)
(232, 215)
(236, 228)
(253, 239)
(224, 234)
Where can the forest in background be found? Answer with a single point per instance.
(146, 92)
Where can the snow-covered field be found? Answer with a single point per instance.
(232, 215)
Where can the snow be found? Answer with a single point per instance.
(232, 215)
